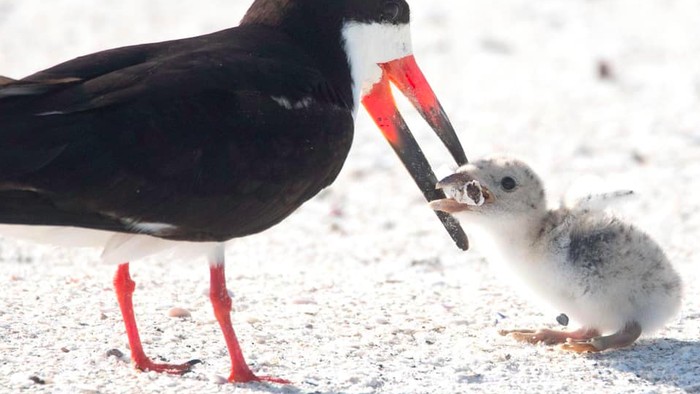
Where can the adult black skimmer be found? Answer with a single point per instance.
(201, 140)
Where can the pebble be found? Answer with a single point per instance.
(605, 70)
(305, 301)
(179, 312)
(563, 320)
(381, 320)
(115, 353)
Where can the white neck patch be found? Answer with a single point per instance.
(367, 46)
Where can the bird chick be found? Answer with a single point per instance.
(606, 275)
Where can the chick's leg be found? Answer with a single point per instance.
(620, 339)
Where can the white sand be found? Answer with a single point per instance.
(364, 293)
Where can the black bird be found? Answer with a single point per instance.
(201, 140)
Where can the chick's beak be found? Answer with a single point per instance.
(380, 104)
(448, 205)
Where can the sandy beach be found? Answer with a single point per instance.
(361, 290)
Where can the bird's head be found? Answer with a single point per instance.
(496, 189)
(368, 44)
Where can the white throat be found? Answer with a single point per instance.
(367, 46)
(507, 239)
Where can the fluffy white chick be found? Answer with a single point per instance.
(607, 275)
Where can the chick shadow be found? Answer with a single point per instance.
(664, 361)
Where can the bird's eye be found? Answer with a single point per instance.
(508, 184)
(390, 11)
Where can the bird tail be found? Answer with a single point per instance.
(6, 80)
(17, 88)
(9, 87)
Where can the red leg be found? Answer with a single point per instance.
(124, 287)
(222, 309)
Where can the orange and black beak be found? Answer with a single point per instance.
(380, 104)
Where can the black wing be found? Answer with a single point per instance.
(193, 133)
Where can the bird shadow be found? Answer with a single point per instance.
(663, 361)
(291, 388)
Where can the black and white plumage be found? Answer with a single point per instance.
(208, 138)
(192, 142)
(606, 275)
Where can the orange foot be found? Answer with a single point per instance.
(550, 337)
(580, 347)
(622, 338)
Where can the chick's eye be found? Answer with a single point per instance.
(508, 184)
(390, 11)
